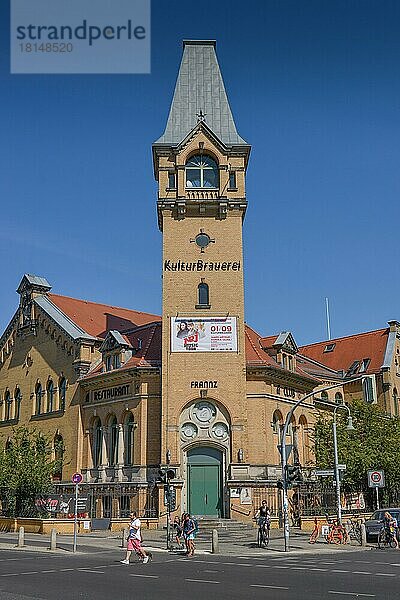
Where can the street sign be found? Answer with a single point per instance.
(325, 473)
(76, 478)
(376, 479)
(289, 448)
(341, 467)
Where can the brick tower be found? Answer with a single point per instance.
(200, 164)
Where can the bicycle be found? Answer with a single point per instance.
(386, 538)
(263, 533)
(315, 533)
(354, 529)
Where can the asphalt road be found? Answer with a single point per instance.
(100, 576)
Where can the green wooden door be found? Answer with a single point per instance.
(204, 482)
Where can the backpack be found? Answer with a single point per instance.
(196, 527)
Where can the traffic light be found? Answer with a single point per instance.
(293, 474)
(165, 475)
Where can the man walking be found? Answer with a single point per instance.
(135, 541)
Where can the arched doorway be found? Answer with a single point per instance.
(205, 489)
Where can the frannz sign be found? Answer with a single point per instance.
(204, 385)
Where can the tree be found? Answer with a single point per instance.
(26, 469)
(374, 444)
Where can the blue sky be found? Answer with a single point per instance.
(314, 87)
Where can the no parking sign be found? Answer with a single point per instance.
(376, 479)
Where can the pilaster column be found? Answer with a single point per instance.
(121, 445)
(120, 454)
(103, 458)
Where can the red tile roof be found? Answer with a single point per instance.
(254, 352)
(96, 319)
(371, 344)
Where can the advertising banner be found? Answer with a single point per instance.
(202, 334)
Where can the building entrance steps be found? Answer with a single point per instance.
(228, 529)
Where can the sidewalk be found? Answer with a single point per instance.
(98, 542)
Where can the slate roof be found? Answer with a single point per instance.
(34, 280)
(58, 316)
(347, 350)
(200, 87)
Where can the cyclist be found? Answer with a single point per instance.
(263, 518)
(390, 525)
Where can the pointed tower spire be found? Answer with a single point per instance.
(200, 96)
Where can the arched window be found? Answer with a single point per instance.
(277, 422)
(129, 440)
(113, 445)
(338, 398)
(58, 456)
(38, 394)
(324, 396)
(8, 406)
(97, 443)
(17, 398)
(62, 390)
(395, 402)
(201, 172)
(203, 295)
(50, 396)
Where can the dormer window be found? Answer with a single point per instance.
(202, 172)
(116, 361)
(353, 368)
(108, 362)
(329, 347)
(364, 365)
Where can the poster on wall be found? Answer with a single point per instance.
(245, 496)
(214, 334)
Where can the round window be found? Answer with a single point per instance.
(189, 430)
(220, 431)
(202, 240)
(204, 412)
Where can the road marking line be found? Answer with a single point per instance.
(86, 571)
(339, 571)
(210, 571)
(299, 568)
(316, 569)
(201, 581)
(352, 594)
(386, 574)
(50, 571)
(361, 572)
(29, 573)
(391, 564)
(139, 575)
(272, 587)
(279, 567)
(10, 574)
(67, 570)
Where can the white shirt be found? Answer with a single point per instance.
(135, 529)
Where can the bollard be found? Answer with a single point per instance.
(21, 537)
(214, 542)
(125, 532)
(363, 534)
(53, 539)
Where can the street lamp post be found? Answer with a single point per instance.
(335, 450)
(286, 531)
